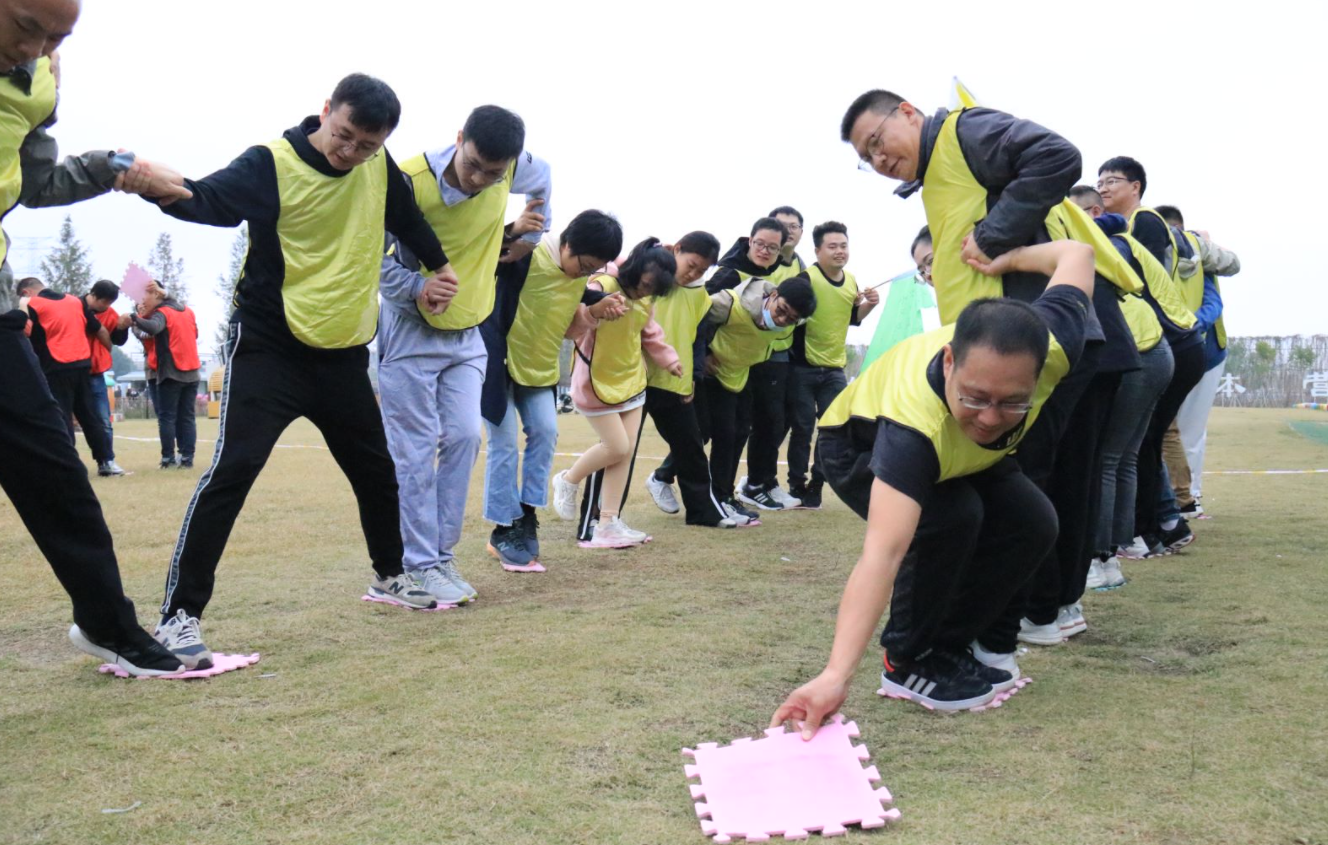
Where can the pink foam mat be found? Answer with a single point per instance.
(994, 704)
(780, 785)
(220, 663)
(435, 609)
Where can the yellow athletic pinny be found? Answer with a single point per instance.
(679, 314)
(617, 367)
(739, 343)
(827, 328)
(20, 114)
(544, 310)
(331, 235)
(895, 388)
(955, 203)
(471, 233)
(1192, 288)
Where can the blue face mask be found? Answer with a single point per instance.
(767, 318)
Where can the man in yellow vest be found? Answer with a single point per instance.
(42, 473)
(431, 357)
(317, 201)
(818, 354)
(918, 446)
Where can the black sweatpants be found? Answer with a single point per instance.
(667, 471)
(768, 383)
(730, 424)
(810, 392)
(677, 423)
(593, 491)
(978, 540)
(1189, 370)
(73, 393)
(43, 476)
(264, 392)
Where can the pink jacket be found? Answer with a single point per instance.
(582, 333)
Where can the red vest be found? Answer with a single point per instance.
(182, 335)
(65, 325)
(101, 356)
(149, 353)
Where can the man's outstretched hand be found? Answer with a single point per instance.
(812, 703)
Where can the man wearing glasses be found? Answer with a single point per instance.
(919, 447)
(317, 202)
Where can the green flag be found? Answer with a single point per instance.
(901, 315)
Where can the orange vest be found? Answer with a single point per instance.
(182, 335)
(65, 325)
(101, 356)
(149, 353)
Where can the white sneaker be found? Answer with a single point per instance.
(779, 495)
(613, 534)
(1111, 573)
(996, 660)
(449, 571)
(1138, 550)
(740, 520)
(435, 582)
(183, 637)
(1049, 634)
(1095, 578)
(663, 494)
(1071, 620)
(564, 496)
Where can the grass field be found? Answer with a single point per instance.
(553, 711)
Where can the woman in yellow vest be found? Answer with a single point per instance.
(609, 385)
(918, 446)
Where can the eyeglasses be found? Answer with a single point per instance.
(493, 175)
(357, 149)
(1111, 180)
(793, 227)
(586, 266)
(1012, 408)
(765, 246)
(784, 313)
(873, 144)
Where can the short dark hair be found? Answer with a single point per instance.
(924, 237)
(789, 210)
(651, 257)
(878, 100)
(27, 284)
(819, 233)
(700, 243)
(105, 290)
(373, 104)
(772, 225)
(1172, 215)
(1079, 192)
(1007, 326)
(497, 133)
(593, 233)
(798, 293)
(1127, 167)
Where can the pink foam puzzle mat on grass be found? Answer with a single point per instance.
(221, 663)
(994, 704)
(435, 609)
(780, 785)
(135, 282)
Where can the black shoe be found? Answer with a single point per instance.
(809, 495)
(1178, 537)
(529, 523)
(732, 504)
(759, 497)
(186, 463)
(1155, 546)
(168, 463)
(508, 544)
(138, 654)
(937, 681)
(999, 679)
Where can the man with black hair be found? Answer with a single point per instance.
(431, 356)
(919, 447)
(790, 263)
(818, 354)
(317, 201)
(99, 299)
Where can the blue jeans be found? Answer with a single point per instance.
(176, 424)
(101, 406)
(1126, 426)
(503, 495)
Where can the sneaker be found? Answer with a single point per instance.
(1178, 537)
(108, 469)
(743, 516)
(138, 654)
(1049, 634)
(936, 681)
(1000, 679)
(662, 493)
(639, 536)
(996, 660)
(564, 496)
(1096, 580)
(1155, 546)
(450, 572)
(186, 463)
(613, 534)
(1111, 574)
(182, 637)
(808, 496)
(401, 589)
(787, 501)
(758, 498)
(1138, 550)
(508, 544)
(168, 463)
(435, 583)
(530, 530)
(1071, 621)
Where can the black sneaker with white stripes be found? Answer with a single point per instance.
(936, 680)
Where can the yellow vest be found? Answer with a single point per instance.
(895, 388)
(1142, 322)
(331, 236)
(827, 328)
(471, 233)
(679, 314)
(780, 272)
(955, 203)
(544, 310)
(1174, 269)
(1160, 284)
(783, 338)
(617, 367)
(1192, 289)
(739, 343)
(20, 114)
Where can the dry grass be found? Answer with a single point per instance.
(553, 711)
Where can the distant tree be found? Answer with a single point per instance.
(68, 267)
(121, 363)
(1303, 356)
(167, 270)
(227, 282)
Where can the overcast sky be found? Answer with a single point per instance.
(706, 115)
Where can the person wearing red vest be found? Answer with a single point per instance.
(99, 300)
(174, 332)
